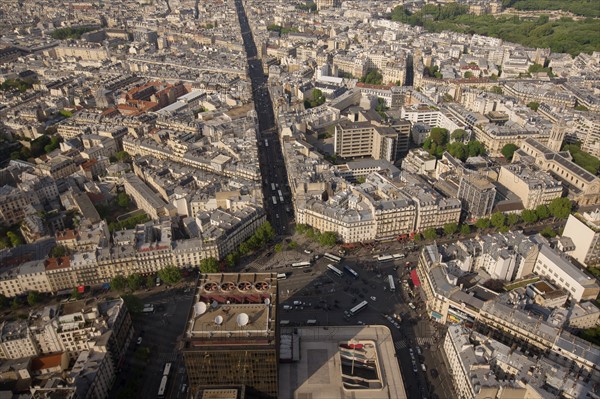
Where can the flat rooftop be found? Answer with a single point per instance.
(233, 305)
(322, 361)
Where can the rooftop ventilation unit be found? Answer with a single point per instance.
(242, 319)
(199, 308)
(219, 320)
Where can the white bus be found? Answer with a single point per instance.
(281, 276)
(351, 272)
(300, 265)
(332, 258)
(335, 270)
(398, 256)
(266, 143)
(273, 186)
(358, 308)
(163, 386)
(167, 369)
(384, 258)
(274, 200)
(391, 282)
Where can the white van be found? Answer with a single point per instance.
(284, 322)
(287, 307)
(311, 322)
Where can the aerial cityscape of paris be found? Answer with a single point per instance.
(300, 199)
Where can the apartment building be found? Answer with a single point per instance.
(533, 186)
(419, 161)
(564, 274)
(16, 340)
(477, 195)
(147, 199)
(583, 186)
(584, 230)
(360, 139)
(13, 204)
(57, 167)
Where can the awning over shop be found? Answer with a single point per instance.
(415, 278)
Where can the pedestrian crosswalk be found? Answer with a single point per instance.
(400, 345)
(424, 340)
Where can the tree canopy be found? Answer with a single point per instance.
(560, 208)
(118, 283)
(583, 159)
(170, 275)
(509, 150)
(316, 98)
(209, 265)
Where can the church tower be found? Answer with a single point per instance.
(557, 135)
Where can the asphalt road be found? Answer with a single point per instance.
(325, 296)
(272, 166)
(160, 332)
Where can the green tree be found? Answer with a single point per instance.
(232, 259)
(209, 265)
(512, 219)
(59, 251)
(498, 219)
(328, 239)
(15, 239)
(150, 280)
(475, 148)
(278, 247)
(14, 305)
(123, 200)
(134, 281)
(450, 228)
(560, 208)
(465, 229)
(123, 156)
(75, 294)
(292, 245)
(533, 105)
(482, 223)
(33, 298)
(171, 275)
(542, 212)
(373, 77)
(3, 301)
(548, 232)
(457, 150)
(133, 303)
(439, 136)
(118, 283)
(583, 159)
(459, 135)
(468, 75)
(430, 234)
(529, 216)
(508, 151)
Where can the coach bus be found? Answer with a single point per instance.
(391, 282)
(300, 265)
(335, 270)
(358, 308)
(332, 258)
(351, 272)
(384, 258)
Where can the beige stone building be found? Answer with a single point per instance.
(534, 187)
(582, 185)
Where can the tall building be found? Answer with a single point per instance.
(557, 135)
(231, 339)
(322, 4)
(477, 195)
(358, 139)
(584, 231)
